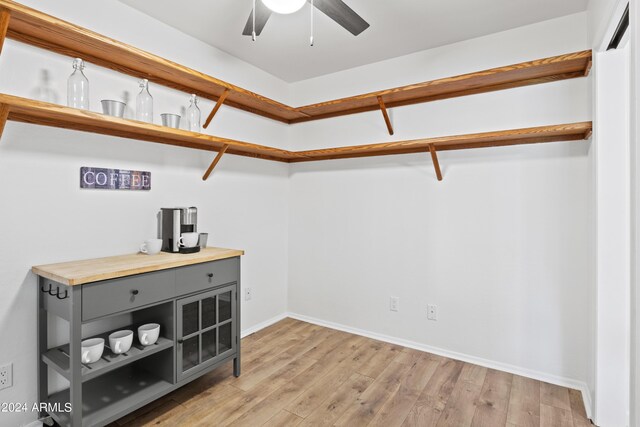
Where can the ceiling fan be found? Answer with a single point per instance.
(334, 9)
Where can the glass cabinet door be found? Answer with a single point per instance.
(206, 329)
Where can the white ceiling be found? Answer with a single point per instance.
(398, 27)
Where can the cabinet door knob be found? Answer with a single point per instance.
(180, 341)
(210, 275)
(135, 292)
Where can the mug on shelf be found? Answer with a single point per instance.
(188, 240)
(92, 350)
(148, 334)
(151, 246)
(120, 341)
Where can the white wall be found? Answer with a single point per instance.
(600, 14)
(610, 360)
(45, 217)
(611, 145)
(501, 245)
(635, 220)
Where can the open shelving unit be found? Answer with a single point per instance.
(42, 113)
(39, 29)
(58, 357)
(105, 397)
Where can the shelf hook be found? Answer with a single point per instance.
(66, 294)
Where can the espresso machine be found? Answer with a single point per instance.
(174, 222)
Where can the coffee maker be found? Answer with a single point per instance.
(176, 221)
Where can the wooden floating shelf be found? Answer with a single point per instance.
(42, 113)
(554, 133)
(545, 70)
(45, 31)
(39, 29)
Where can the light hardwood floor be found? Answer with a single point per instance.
(298, 374)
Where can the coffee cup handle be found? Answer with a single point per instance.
(143, 339)
(85, 356)
(181, 242)
(143, 248)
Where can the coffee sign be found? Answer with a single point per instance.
(114, 179)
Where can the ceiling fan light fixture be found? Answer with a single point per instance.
(284, 7)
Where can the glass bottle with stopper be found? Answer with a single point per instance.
(44, 92)
(193, 115)
(78, 87)
(144, 103)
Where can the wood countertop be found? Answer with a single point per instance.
(94, 270)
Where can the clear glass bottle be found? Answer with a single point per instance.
(78, 87)
(193, 115)
(44, 92)
(144, 103)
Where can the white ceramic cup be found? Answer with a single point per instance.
(148, 334)
(92, 350)
(189, 240)
(151, 246)
(120, 341)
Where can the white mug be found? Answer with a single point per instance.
(151, 246)
(92, 350)
(148, 334)
(120, 341)
(189, 240)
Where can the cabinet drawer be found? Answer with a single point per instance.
(112, 296)
(207, 275)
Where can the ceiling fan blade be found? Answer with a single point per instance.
(342, 14)
(262, 16)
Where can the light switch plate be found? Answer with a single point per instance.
(394, 303)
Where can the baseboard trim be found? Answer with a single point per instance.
(255, 328)
(529, 373)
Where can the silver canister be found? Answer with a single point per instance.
(202, 241)
(170, 120)
(113, 108)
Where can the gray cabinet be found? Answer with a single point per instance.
(198, 309)
(206, 330)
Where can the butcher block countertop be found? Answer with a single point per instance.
(93, 270)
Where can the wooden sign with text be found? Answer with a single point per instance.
(114, 179)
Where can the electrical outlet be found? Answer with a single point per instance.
(394, 304)
(432, 312)
(6, 376)
(248, 294)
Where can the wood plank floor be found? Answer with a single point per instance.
(298, 374)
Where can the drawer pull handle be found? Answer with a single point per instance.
(210, 275)
(135, 292)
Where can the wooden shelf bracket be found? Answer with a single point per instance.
(436, 164)
(215, 162)
(216, 107)
(5, 17)
(387, 121)
(4, 114)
